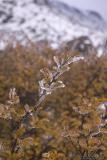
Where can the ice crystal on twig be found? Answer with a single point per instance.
(56, 60)
(50, 81)
(13, 97)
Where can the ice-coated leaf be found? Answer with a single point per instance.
(74, 59)
(49, 88)
(44, 87)
(62, 61)
(41, 86)
(65, 69)
(12, 93)
(48, 92)
(27, 109)
(55, 68)
(58, 84)
(47, 73)
(41, 83)
(56, 60)
(40, 91)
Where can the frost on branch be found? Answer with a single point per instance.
(58, 63)
(50, 81)
(49, 88)
(13, 98)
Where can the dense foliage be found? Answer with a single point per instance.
(67, 124)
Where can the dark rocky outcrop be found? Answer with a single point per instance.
(83, 45)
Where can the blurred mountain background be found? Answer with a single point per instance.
(49, 20)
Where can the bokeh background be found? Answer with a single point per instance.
(97, 5)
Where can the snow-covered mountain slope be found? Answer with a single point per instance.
(48, 20)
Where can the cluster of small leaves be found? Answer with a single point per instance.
(87, 132)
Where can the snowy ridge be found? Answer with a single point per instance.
(49, 20)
